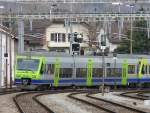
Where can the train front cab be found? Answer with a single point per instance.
(28, 69)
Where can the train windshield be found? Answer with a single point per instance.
(28, 64)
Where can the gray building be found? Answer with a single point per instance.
(7, 56)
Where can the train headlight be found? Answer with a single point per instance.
(25, 81)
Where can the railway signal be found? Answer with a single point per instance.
(103, 47)
(75, 46)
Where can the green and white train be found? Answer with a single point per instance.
(66, 70)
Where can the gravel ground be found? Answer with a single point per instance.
(147, 94)
(60, 103)
(7, 104)
(124, 100)
(105, 105)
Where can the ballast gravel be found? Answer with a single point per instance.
(124, 100)
(7, 104)
(60, 103)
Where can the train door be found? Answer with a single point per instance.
(89, 72)
(142, 68)
(124, 73)
(56, 72)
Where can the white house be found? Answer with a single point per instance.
(7, 53)
(57, 36)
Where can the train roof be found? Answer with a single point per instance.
(62, 54)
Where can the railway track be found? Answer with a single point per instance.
(108, 106)
(9, 91)
(27, 103)
(136, 95)
(143, 95)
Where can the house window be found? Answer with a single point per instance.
(55, 37)
(69, 37)
(63, 37)
(131, 69)
(58, 37)
(52, 37)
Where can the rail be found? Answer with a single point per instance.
(97, 104)
(31, 101)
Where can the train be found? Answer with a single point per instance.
(56, 70)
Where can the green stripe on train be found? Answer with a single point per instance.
(124, 73)
(142, 62)
(89, 72)
(56, 72)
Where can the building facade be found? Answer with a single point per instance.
(7, 56)
(58, 39)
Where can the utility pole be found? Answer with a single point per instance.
(131, 34)
(0, 58)
(103, 66)
(10, 61)
(148, 28)
(71, 38)
(115, 58)
(66, 22)
(119, 21)
(21, 36)
(131, 46)
(6, 60)
(103, 47)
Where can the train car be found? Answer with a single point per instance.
(66, 70)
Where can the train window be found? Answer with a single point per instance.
(81, 72)
(97, 72)
(108, 64)
(144, 69)
(131, 69)
(114, 72)
(65, 72)
(118, 72)
(27, 64)
(49, 69)
(149, 69)
(110, 72)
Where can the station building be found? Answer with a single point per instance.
(7, 56)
